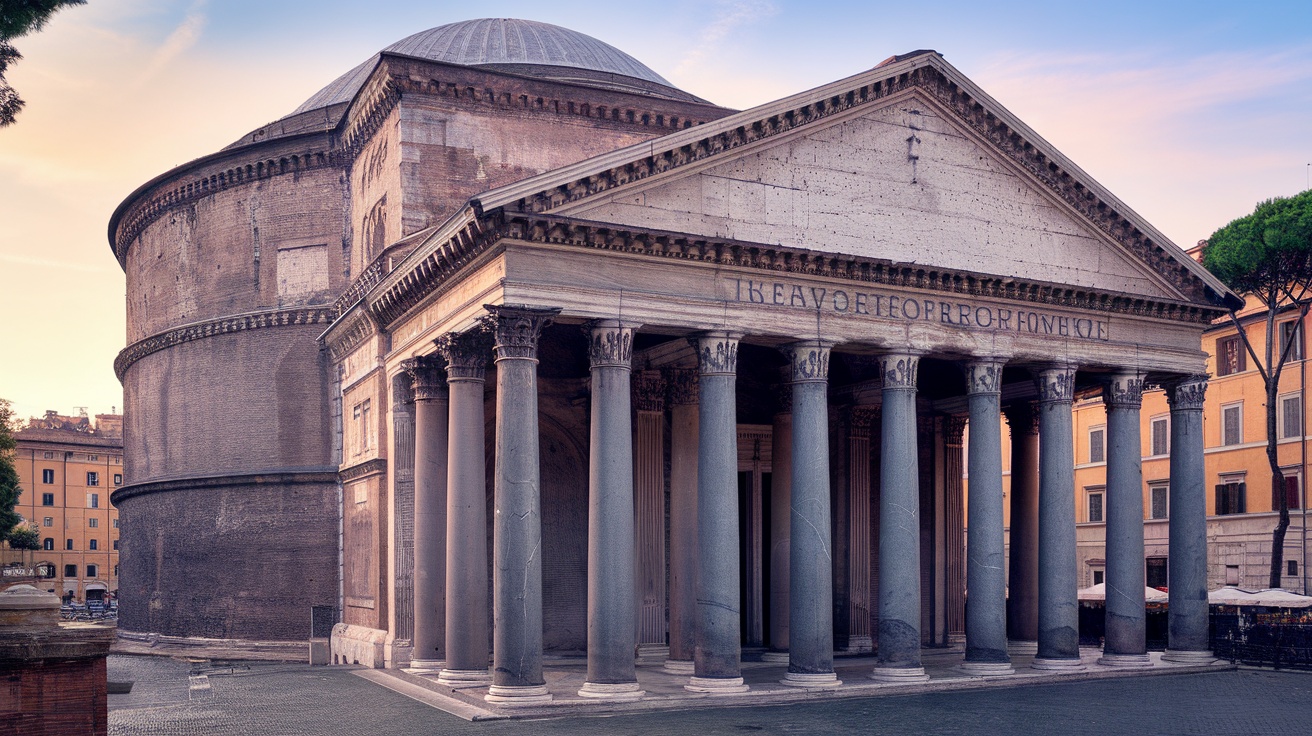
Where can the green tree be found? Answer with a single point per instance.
(9, 488)
(24, 536)
(1268, 256)
(19, 18)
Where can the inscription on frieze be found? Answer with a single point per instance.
(906, 308)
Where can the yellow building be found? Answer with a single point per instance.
(67, 467)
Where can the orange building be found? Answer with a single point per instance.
(67, 467)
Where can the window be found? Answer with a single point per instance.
(47, 499)
(1095, 505)
(1155, 572)
(47, 476)
(48, 455)
(93, 458)
(1291, 488)
(1291, 416)
(93, 478)
(48, 543)
(48, 521)
(93, 522)
(1291, 568)
(70, 571)
(116, 571)
(1230, 356)
(1231, 574)
(1230, 497)
(92, 570)
(1097, 444)
(1290, 333)
(1158, 495)
(115, 545)
(68, 544)
(1232, 424)
(118, 479)
(116, 523)
(1098, 577)
(94, 544)
(1159, 435)
(362, 415)
(93, 500)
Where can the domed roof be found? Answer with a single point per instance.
(520, 46)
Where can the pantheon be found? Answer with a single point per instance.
(501, 345)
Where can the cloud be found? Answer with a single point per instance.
(46, 263)
(730, 14)
(177, 43)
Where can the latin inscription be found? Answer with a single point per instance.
(919, 309)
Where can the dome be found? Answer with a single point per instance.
(519, 46)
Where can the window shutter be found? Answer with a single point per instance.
(1292, 418)
(1220, 499)
(1291, 491)
(1241, 505)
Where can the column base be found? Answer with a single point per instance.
(425, 666)
(1179, 656)
(458, 678)
(1057, 665)
(1022, 647)
(813, 681)
(611, 691)
(899, 674)
(716, 685)
(775, 657)
(1128, 661)
(988, 669)
(679, 666)
(518, 695)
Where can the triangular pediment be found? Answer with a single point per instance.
(909, 162)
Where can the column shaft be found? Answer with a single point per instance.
(1023, 575)
(1126, 619)
(466, 531)
(517, 533)
(986, 584)
(717, 658)
(649, 515)
(611, 560)
(781, 454)
(899, 523)
(811, 563)
(430, 513)
(684, 433)
(1059, 614)
(1187, 622)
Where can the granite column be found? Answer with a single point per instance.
(1187, 621)
(1059, 612)
(684, 431)
(1125, 644)
(986, 583)
(430, 512)
(1023, 550)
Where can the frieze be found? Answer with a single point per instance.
(717, 353)
(809, 361)
(1187, 394)
(898, 371)
(1124, 391)
(684, 386)
(517, 330)
(376, 466)
(1056, 385)
(227, 325)
(467, 352)
(649, 391)
(984, 377)
(427, 379)
(610, 344)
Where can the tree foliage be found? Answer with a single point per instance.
(24, 536)
(9, 488)
(1268, 255)
(19, 18)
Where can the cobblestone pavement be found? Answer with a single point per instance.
(177, 697)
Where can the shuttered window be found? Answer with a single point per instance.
(1230, 356)
(1291, 488)
(1232, 424)
(1157, 505)
(1097, 445)
(1160, 437)
(1291, 416)
(1230, 499)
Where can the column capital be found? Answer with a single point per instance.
(1186, 393)
(1021, 417)
(517, 329)
(683, 383)
(899, 370)
(808, 361)
(955, 428)
(1124, 390)
(610, 343)
(717, 352)
(425, 377)
(863, 418)
(1056, 384)
(984, 376)
(466, 352)
(649, 391)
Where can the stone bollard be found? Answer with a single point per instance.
(52, 675)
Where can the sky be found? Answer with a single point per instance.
(1190, 112)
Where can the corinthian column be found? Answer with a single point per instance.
(1187, 620)
(1059, 612)
(811, 560)
(466, 519)
(1126, 644)
(430, 511)
(611, 607)
(717, 660)
(899, 524)
(1023, 598)
(986, 583)
(517, 533)
(684, 432)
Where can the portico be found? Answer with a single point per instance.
(673, 327)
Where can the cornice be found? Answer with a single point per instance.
(222, 326)
(348, 333)
(375, 466)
